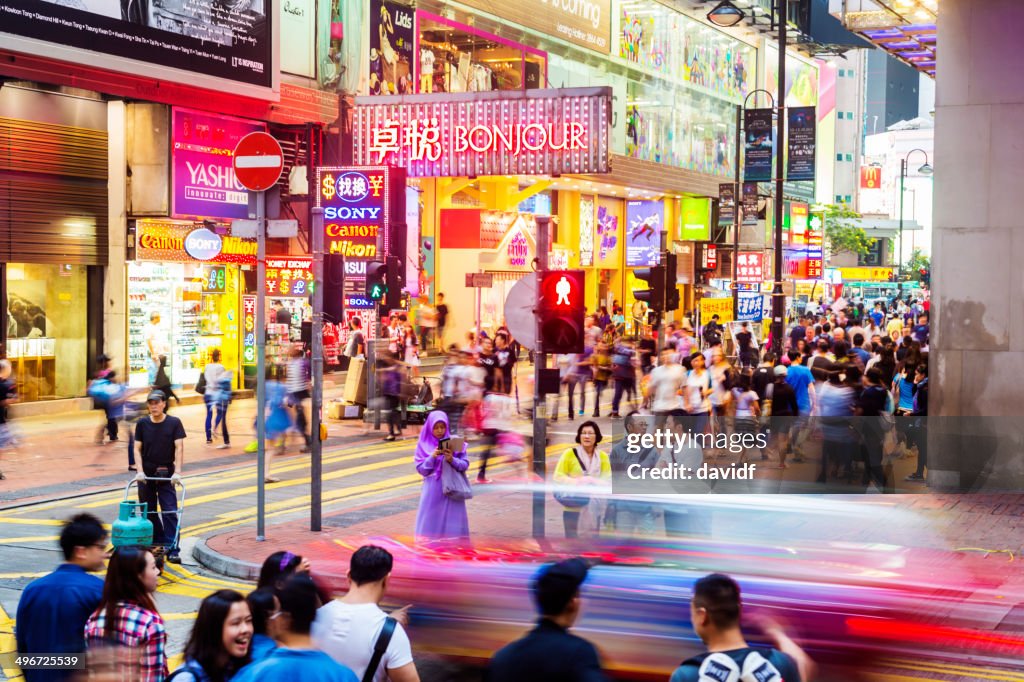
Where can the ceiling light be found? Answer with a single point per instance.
(725, 14)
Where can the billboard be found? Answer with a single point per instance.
(392, 39)
(587, 23)
(202, 175)
(523, 132)
(644, 224)
(206, 43)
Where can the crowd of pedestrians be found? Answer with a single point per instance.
(291, 628)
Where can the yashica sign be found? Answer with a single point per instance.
(526, 132)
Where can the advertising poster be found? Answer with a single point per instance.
(587, 214)
(298, 20)
(750, 267)
(695, 219)
(726, 203)
(392, 37)
(202, 176)
(644, 221)
(609, 235)
(426, 261)
(750, 203)
(750, 307)
(228, 40)
(716, 306)
(800, 143)
(757, 157)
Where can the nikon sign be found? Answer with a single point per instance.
(587, 23)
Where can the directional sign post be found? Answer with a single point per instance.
(258, 162)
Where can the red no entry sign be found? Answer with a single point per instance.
(258, 161)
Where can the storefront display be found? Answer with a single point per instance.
(182, 307)
(456, 58)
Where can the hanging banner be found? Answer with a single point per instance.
(587, 214)
(726, 204)
(644, 220)
(392, 37)
(757, 158)
(750, 203)
(800, 142)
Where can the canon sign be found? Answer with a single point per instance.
(202, 244)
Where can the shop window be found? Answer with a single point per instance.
(839, 157)
(47, 330)
(456, 58)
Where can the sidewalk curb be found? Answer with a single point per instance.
(224, 565)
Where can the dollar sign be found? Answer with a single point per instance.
(327, 187)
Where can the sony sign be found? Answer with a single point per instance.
(202, 244)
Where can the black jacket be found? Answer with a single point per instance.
(548, 653)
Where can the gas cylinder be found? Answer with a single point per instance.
(132, 526)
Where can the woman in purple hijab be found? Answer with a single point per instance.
(439, 516)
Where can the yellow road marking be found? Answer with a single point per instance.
(11, 576)
(953, 669)
(8, 646)
(29, 538)
(31, 522)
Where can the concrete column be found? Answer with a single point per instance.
(977, 348)
(115, 297)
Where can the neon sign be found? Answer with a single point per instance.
(289, 277)
(249, 330)
(529, 132)
(179, 242)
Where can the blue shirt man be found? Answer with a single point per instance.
(53, 610)
(801, 379)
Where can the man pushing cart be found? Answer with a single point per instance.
(160, 440)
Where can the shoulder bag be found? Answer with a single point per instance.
(381, 646)
(572, 499)
(454, 483)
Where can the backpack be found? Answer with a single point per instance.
(720, 667)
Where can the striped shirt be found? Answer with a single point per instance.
(298, 376)
(141, 636)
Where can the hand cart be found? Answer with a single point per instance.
(132, 511)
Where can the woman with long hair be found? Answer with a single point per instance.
(279, 566)
(263, 604)
(219, 644)
(127, 618)
(439, 515)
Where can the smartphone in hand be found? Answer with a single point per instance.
(443, 443)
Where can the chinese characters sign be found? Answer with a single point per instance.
(203, 179)
(355, 203)
(586, 231)
(528, 132)
(716, 306)
(749, 267)
(709, 257)
(289, 277)
(750, 307)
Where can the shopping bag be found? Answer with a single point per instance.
(454, 483)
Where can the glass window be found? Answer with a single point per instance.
(849, 157)
(466, 60)
(46, 330)
(839, 157)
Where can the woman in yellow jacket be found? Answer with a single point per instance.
(583, 467)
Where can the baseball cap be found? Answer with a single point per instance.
(156, 395)
(781, 371)
(569, 574)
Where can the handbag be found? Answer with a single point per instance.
(201, 384)
(573, 500)
(454, 483)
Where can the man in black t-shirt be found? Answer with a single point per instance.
(715, 614)
(442, 318)
(489, 362)
(744, 341)
(505, 359)
(160, 439)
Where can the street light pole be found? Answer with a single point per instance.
(736, 203)
(899, 254)
(778, 297)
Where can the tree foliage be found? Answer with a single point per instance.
(841, 233)
(918, 259)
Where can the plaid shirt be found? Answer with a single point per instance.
(142, 639)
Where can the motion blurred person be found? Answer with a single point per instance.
(218, 646)
(298, 391)
(549, 652)
(351, 629)
(296, 657)
(715, 614)
(53, 610)
(625, 515)
(263, 604)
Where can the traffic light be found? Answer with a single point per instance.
(655, 278)
(394, 282)
(560, 308)
(671, 290)
(376, 280)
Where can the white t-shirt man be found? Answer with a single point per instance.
(348, 632)
(666, 381)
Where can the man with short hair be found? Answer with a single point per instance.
(713, 332)
(549, 652)
(53, 609)
(442, 318)
(350, 629)
(296, 657)
(715, 615)
(160, 439)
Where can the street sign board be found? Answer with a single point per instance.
(479, 280)
(258, 161)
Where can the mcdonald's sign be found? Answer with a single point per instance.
(870, 177)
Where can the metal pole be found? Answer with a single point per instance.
(899, 254)
(736, 200)
(261, 365)
(778, 297)
(540, 416)
(317, 366)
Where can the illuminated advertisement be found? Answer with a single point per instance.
(164, 240)
(644, 224)
(176, 40)
(392, 39)
(291, 277)
(249, 331)
(528, 132)
(587, 23)
(587, 213)
(750, 267)
(202, 175)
